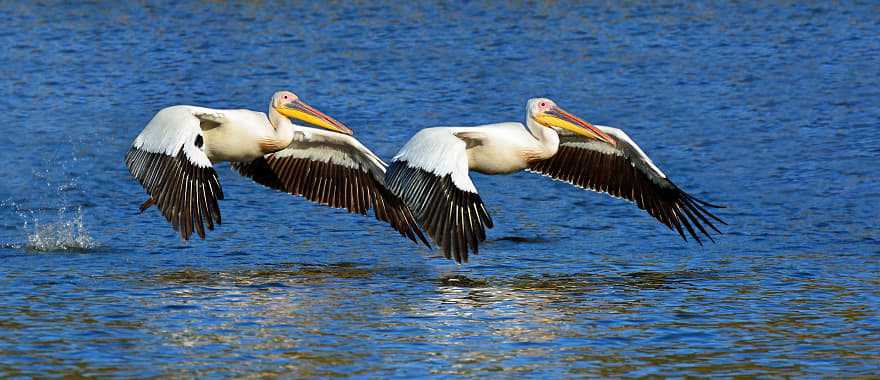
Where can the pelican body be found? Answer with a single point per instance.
(173, 160)
(430, 173)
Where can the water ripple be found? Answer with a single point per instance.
(770, 109)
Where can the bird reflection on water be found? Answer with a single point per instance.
(330, 320)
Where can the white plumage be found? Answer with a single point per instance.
(438, 151)
(622, 136)
(174, 128)
(173, 160)
(430, 173)
(326, 146)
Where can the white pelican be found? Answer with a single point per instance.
(430, 173)
(173, 159)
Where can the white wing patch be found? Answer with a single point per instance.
(438, 151)
(168, 131)
(620, 134)
(332, 147)
(211, 115)
(600, 147)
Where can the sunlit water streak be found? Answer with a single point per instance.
(771, 110)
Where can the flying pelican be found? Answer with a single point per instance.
(173, 159)
(430, 173)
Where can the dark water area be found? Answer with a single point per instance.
(772, 110)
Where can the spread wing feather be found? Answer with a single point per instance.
(168, 160)
(625, 171)
(430, 174)
(335, 170)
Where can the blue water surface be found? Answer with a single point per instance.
(770, 109)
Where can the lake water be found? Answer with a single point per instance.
(772, 111)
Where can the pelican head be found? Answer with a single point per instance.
(289, 105)
(546, 113)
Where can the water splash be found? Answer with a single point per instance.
(67, 233)
(48, 228)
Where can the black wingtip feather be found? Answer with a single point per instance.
(442, 208)
(355, 190)
(619, 175)
(172, 183)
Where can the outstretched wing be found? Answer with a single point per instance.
(335, 170)
(625, 171)
(430, 174)
(169, 161)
